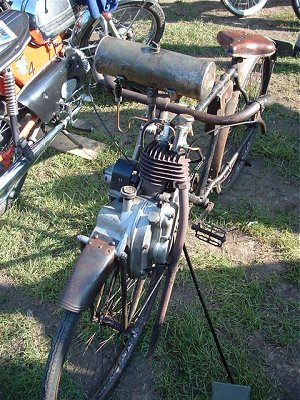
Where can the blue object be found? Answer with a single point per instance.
(97, 7)
(228, 391)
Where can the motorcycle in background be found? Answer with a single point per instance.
(44, 59)
(244, 8)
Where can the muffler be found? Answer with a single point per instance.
(156, 68)
(19, 168)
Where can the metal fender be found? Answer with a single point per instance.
(94, 264)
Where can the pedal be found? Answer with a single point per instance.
(209, 233)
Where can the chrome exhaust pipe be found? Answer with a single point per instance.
(19, 168)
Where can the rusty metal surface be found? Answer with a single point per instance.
(163, 69)
(172, 268)
(165, 105)
(245, 44)
(94, 264)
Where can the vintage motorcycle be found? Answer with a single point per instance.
(139, 236)
(45, 53)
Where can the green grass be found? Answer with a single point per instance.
(23, 348)
(253, 313)
(274, 150)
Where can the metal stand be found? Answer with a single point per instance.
(213, 332)
(73, 140)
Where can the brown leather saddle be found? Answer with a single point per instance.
(245, 44)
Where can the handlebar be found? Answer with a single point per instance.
(163, 104)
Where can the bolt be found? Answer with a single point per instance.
(145, 247)
(128, 192)
(153, 217)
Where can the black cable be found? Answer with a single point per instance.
(211, 327)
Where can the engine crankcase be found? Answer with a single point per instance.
(141, 228)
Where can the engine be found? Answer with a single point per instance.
(142, 217)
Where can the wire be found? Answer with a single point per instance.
(143, 132)
(108, 133)
(141, 119)
(222, 127)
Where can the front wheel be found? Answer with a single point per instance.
(137, 21)
(242, 8)
(91, 349)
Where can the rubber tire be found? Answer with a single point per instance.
(235, 10)
(62, 340)
(241, 161)
(296, 7)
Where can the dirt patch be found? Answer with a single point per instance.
(265, 188)
(282, 365)
(137, 383)
(13, 299)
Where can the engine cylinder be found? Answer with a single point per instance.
(160, 168)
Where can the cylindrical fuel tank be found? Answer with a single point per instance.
(157, 68)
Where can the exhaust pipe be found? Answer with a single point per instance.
(18, 169)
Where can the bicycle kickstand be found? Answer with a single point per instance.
(220, 391)
(207, 316)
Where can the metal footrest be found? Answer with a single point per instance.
(209, 233)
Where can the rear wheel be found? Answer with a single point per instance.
(91, 349)
(243, 8)
(137, 21)
(239, 139)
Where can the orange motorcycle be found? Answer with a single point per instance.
(45, 53)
